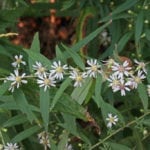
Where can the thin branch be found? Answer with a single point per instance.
(120, 129)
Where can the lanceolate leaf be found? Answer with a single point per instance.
(44, 106)
(139, 26)
(67, 105)
(143, 95)
(80, 93)
(35, 46)
(19, 119)
(98, 98)
(25, 134)
(59, 92)
(23, 105)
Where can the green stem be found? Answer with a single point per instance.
(2, 137)
(120, 129)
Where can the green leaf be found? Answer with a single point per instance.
(148, 34)
(70, 125)
(139, 26)
(23, 105)
(143, 95)
(16, 120)
(35, 46)
(125, 6)
(67, 105)
(116, 146)
(98, 85)
(80, 93)
(107, 108)
(44, 106)
(67, 4)
(4, 87)
(63, 141)
(25, 134)
(90, 37)
(123, 41)
(75, 56)
(59, 92)
(33, 57)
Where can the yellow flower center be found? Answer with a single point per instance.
(59, 69)
(137, 79)
(18, 79)
(112, 120)
(94, 68)
(41, 69)
(115, 82)
(19, 61)
(47, 82)
(79, 78)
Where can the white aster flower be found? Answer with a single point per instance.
(78, 77)
(68, 147)
(135, 80)
(93, 69)
(46, 81)
(18, 61)
(44, 139)
(105, 39)
(141, 66)
(11, 146)
(16, 80)
(39, 68)
(114, 81)
(123, 87)
(148, 90)
(58, 70)
(111, 120)
(109, 62)
(121, 70)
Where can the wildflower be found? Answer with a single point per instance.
(78, 77)
(105, 38)
(39, 68)
(135, 80)
(109, 62)
(16, 79)
(121, 70)
(46, 81)
(68, 147)
(111, 120)
(44, 139)
(141, 66)
(93, 69)
(58, 70)
(11, 146)
(148, 90)
(122, 87)
(114, 81)
(18, 61)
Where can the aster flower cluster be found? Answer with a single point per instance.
(11, 146)
(44, 139)
(123, 77)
